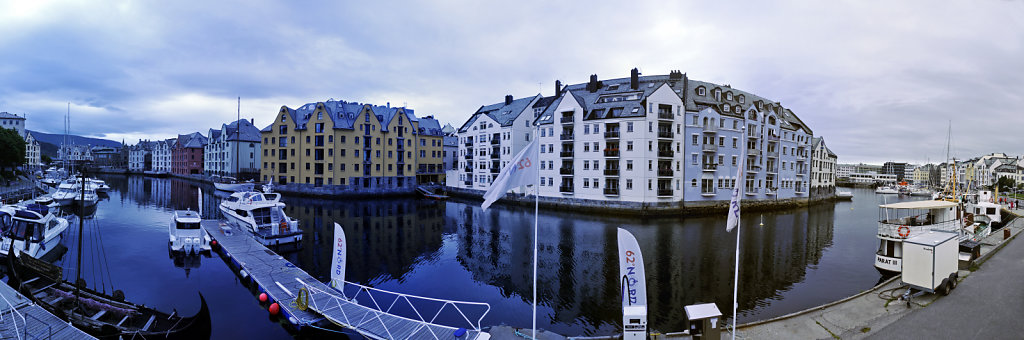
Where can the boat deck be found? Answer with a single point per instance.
(21, 319)
(282, 281)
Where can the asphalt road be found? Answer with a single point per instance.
(989, 304)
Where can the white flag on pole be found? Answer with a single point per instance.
(631, 270)
(521, 171)
(338, 261)
(734, 204)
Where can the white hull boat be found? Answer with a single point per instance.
(886, 190)
(263, 216)
(900, 221)
(234, 187)
(185, 234)
(32, 229)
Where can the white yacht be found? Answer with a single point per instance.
(886, 190)
(263, 215)
(186, 236)
(99, 185)
(66, 192)
(231, 184)
(31, 229)
(899, 221)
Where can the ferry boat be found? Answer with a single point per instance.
(185, 234)
(903, 220)
(30, 229)
(262, 215)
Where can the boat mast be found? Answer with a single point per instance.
(238, 137)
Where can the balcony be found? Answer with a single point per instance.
(467, 169)
(664, 134)
(773, 169)
(469, 144)
(565, 136)
(468, 183)
(666, 153)
(772, 138)
(565, 189)
(495, 141)
(753, 152)
(469, 157)
(566, 120)
(751, 191)
(664, 192)
(706, 192)
(710, 167)
(611, 172)
(565, 154)
(495, 155)
(800, 173)
(495, 170)
(611, 134)
(565, 171)
(611, 152)
(611, 191)
(709, 147)
(710, 128)
(665, 115)
(665, 172)
(401, 147)
(773, 154)
(753, 168)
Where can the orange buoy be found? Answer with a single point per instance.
(263, 297)
(274, 308)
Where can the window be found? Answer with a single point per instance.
(284, 142)
(629, 184)
(735, 141)
(693, 159)
(629, 145)
(320, 115)
(693, 139)
(701, 91)
(629, 127)
(283, 129)
(319, 126)
(629, 165)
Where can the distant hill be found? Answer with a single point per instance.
(57, 139)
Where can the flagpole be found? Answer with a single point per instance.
(736, 278)
(536, 212)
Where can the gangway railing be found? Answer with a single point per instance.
(381, 315)
(14, 313)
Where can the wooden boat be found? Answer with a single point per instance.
(104, 316)
(429, 194)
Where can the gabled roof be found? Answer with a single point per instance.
(214, 134)
(501, 113)
(5, 115)
(192, 140)
(429, 126)
(248, 133)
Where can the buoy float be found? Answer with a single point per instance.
(274, 309)
(263, 297)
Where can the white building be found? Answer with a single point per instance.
(162, 160)
(823, 168)
(140, 156)
(232, 150)
(869, 178)
(14, 122)
(844, 170)
(75, 153)
(491, 137)
(33, 157)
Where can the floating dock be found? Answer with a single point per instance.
(283, 281)
(22, 319)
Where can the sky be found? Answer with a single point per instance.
(879, 80)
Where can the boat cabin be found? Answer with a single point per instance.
(904, 219)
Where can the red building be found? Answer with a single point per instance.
(187, 154)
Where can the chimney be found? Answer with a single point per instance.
(252, 121)
(508, 99)
(558, 87)
(592, 85)
(675, 75)
(634, 78)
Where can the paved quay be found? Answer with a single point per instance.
(873, 313)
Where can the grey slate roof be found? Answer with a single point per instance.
(430, 126)
(344, 115)
(214, 134)
(503, 114)
(5, 115)
(193, 140)
(248, 133)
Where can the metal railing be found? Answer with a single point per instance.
(664, 192)
(665, 172)
(891, 228)
(666, 153)
(611, 134)
(611, 172)
(395, 298)
(709, 147)
(611, 153)
(664, 115)
(664, 134)
(14, 314)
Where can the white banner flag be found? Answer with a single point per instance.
(521, 171)
(631, 271)
(734, 204)
(338, 262)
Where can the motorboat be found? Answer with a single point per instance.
(31, 229)
(231, 184)
(844, 195)
(428, 193)
(903, 220)
(920, 192)
(262, 215)
(89, 197)
(99, 185)
(185, 233)
(43, 199)
(985, 211)
(886, 190)
(66, 193)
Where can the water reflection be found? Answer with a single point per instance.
(797, 259)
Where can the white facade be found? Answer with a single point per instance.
(869, 178)
(162, 160)
(76, 153)
(33, 157)
(229, 152)
(485, 145)
(823, 165)
(13, 122)
(137, 155)
(844, 170)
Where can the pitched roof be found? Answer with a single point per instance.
(248, 133)
(503, 114)
(5, 115)
(192, 140)
(430, 126)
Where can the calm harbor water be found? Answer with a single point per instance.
(453, 250)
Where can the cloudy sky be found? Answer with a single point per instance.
(880, 80)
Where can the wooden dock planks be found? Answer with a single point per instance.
(40, 323)
(281, 280)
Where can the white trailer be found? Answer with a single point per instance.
(930, 262)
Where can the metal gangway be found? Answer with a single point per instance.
(377, 317)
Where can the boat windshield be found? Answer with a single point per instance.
(20, 229)
(187, 225)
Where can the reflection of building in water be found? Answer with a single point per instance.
(686, 262)
(385, 237)
(183, 195)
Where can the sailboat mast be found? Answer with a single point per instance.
(238, 136)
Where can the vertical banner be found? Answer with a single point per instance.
(631, 270)
(338, 261)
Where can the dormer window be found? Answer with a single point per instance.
(613, 87)
(737, 109)
(759, 105)
(771, 120)
(701, 91)
(319, 116)
(718, 94)
(741, 98)
(726, 108)
(728, 96)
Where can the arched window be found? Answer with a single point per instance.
(726, 108)
(705, 121)
(718, 94)
(728, 96)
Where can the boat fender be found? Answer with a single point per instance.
(274, 309)
(263, 297)
(302, 299)
(904, 231)
(243, 273)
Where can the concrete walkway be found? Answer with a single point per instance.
(876, 310)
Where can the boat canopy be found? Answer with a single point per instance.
(920, 205)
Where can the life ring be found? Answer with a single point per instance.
(904, 231)
(302, 299)
(284, 226)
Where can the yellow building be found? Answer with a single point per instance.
(351, 146)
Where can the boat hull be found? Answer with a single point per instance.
(888, 265)
(235, 187)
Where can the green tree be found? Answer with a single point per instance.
(12, 148)
(1005, 184)
(45, 159)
